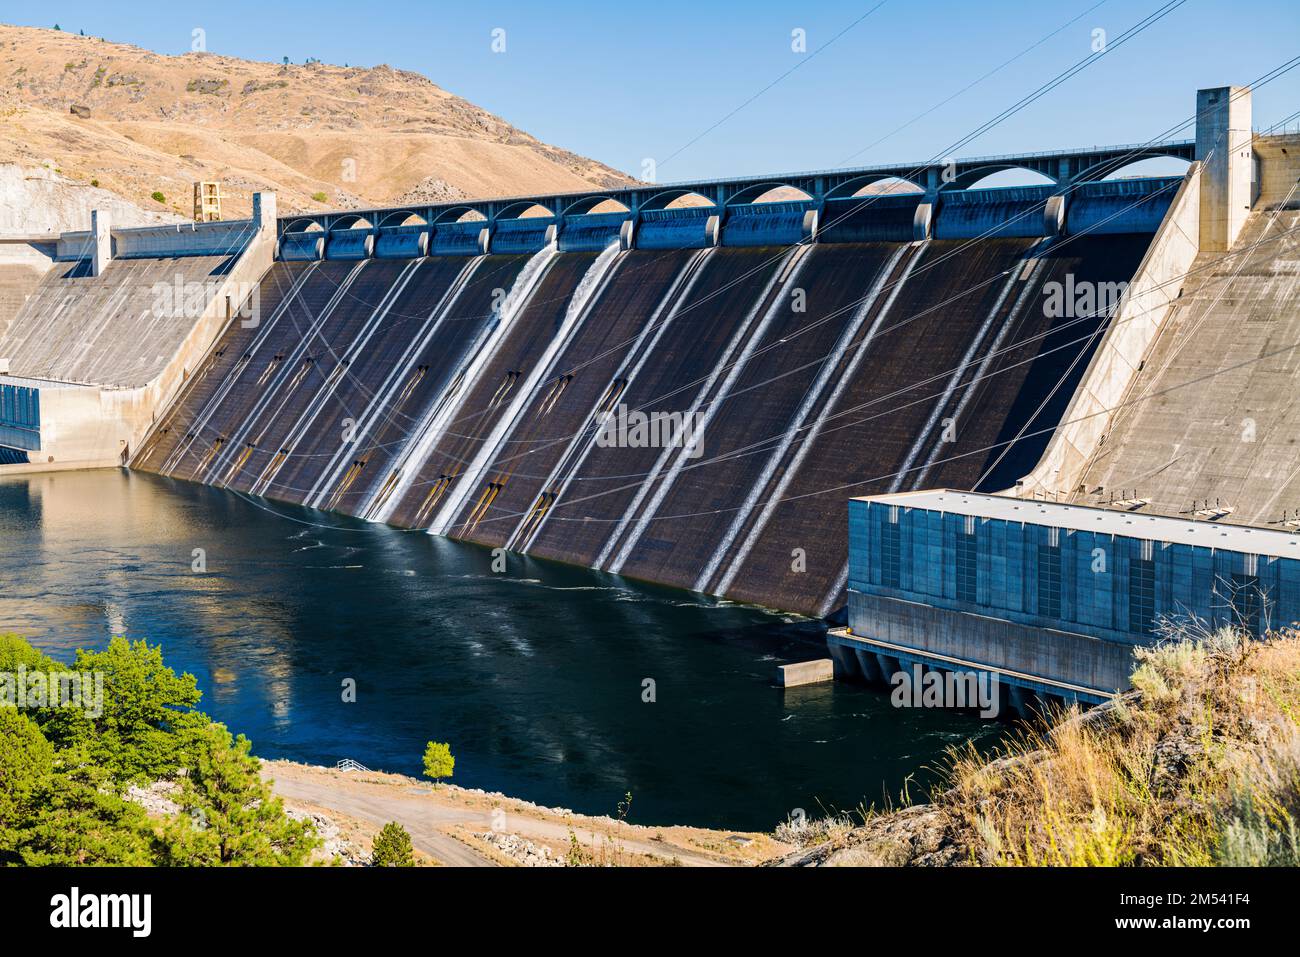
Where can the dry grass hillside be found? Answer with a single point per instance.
(139, 123)
(1198, 765)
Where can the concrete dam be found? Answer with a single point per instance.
(461, 368)
(809, 369)
(1166, 498)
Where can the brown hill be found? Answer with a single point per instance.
(139, 123)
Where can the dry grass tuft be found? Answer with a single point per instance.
(1199, 765)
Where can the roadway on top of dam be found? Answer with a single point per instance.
(1063, 167)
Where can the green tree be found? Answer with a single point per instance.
(79, 819)
(26, 762)
(147, 707)
(229, 815)
(392, 847)
(438, 761)
(16, 651)
(63, 771)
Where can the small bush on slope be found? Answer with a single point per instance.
(1197, 766)
(392, 847)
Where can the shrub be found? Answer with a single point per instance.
(438, 761)
(319, 197)
(1198, 765)
(230, 815)
(158, 197)
(392, 847)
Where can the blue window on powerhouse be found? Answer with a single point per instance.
(1113, 586)
(20, 416)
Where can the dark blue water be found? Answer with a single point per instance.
(534, 676)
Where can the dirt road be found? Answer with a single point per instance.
(442, 822)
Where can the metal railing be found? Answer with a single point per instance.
(1167, 146)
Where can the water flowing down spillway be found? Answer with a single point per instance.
(513, 398)
(468, 395)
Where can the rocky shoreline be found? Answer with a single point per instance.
(459, 826)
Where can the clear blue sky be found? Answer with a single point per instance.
(623, 81)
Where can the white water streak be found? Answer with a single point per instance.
(395, 381)
(900, 477)
(441, 413)
(810, 400)
(846, 378)
(286, 370)
(332, 382)
(685, 282)
(592, 283)
(790, 276)
(1031, 287)
(653, 475)
(214, 403)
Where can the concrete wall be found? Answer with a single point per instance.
(22, 266)
(92, 425)
(118, 329)
(1223, 147)
(153, 242)
(1279, 170)
(1019, 651)
(1137, 321)
(1210, 422)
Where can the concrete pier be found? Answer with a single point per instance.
(101, 239)
(805, 672)
(1223, 147)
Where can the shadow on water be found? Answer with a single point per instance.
(557, 684)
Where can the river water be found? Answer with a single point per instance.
(536, 676)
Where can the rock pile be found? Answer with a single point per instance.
(521, 849)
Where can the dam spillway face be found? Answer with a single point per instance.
(484, 397)
(116, 329)
(1214, 437)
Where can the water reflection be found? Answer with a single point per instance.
(535, 677)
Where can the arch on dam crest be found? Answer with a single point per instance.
(350, 221)
(460, 214)
(758, 193)
(971, 178)
(595, 204)
(1134, 166)
(669, 199)
(402, 217)
(525, 209)
(855, 187)
(303, 226)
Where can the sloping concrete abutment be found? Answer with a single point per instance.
(113, 329)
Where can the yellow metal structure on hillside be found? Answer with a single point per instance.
(207, 202)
